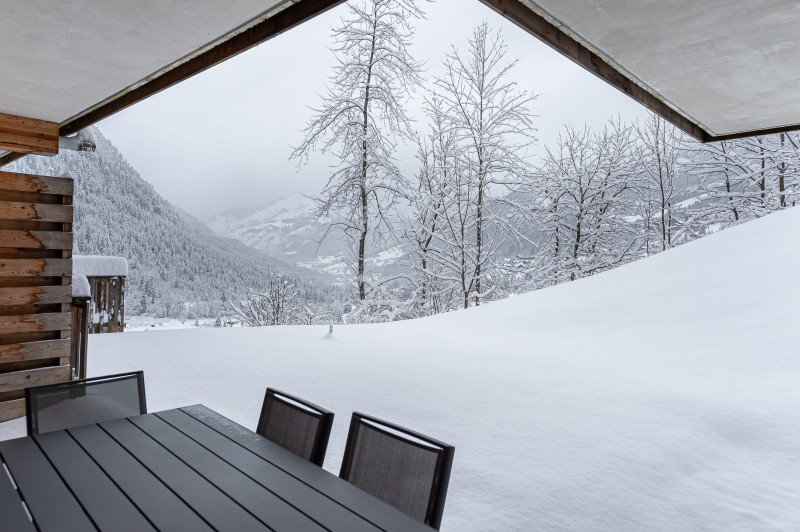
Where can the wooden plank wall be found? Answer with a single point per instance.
(35, 285)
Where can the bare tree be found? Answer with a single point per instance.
(493, 125)
(276, 305)
(360, 120)
(583, 204)
(658, 154)
(436, 153)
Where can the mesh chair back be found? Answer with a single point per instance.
(295, 424)
(401, 467)
(71, 404)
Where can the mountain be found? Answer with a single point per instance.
(288, 230)
(177, 266)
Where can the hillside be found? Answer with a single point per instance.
(661, 395)
(288, 230)
(178, 267)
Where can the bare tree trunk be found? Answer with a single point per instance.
(478, 246)
(782, 177)
(362, 239)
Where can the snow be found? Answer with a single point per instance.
(80, 285)
(100, 266)
(661, 395)
(148, 323)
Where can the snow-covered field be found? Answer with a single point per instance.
(664, 395)
(149, 323)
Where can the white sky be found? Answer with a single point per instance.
(222, 139)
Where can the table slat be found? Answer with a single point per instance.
(312, 503)
(216, 508)
(164, 509)
(50, 502)
(13, 514)
(262, 503)
(108, 507)
(370, 508)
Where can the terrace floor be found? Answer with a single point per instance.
(662, 395)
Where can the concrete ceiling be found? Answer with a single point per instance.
(730, 67)
(716, 68)
(60, 58)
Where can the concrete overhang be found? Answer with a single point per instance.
(717, 69)
(77, 62)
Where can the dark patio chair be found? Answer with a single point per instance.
(401, 467)
(80, 402)
(295, 424)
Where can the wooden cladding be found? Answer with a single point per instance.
(19, 380)
(35, 285)
(35, 239)
(34, 350)
(20, 134)
(14, 182)
(19, 210)
(35, 295)
(24, 323)
(34, 267)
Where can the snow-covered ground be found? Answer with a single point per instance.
(149, 323)
(663, 395)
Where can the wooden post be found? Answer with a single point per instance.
(80, 336)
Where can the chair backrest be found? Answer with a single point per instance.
(401, 467)
(295, 424)
(80, 402)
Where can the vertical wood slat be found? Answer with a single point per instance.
(80, 336)
(35, 277)
(107, 312)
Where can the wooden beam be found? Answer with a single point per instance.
(34, 350)
(35, 295)
(38, 212)
(40, 184)
(25, 323)
(12, 409)
(20, 134)
(19, 380)
(35, 267)
(35, 239)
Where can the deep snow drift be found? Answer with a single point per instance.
(663, 395)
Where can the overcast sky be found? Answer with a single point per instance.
(222, 139)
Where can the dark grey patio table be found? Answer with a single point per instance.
(183, 469)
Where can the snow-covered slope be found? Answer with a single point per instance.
(662, 395)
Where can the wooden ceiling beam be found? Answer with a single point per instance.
(20, 134)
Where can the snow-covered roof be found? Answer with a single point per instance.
(80, 285)
(100, 266)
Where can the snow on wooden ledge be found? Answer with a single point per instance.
(80, 285)
(100, 266)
